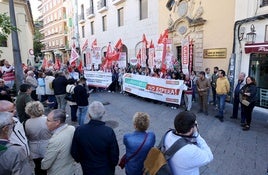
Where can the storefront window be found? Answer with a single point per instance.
(259, 70)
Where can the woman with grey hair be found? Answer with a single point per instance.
(138, 143)
(37, 133)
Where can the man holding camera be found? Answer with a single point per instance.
(195, 153)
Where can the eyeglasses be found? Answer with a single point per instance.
(50, 120)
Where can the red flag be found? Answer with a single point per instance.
(163, 36)
(44, 64)
(119, 44)
(94, 43)
(151, 44)
(57, 64)
(163, 65)
(85, 46)
(160, 39)
(80, 67)
(144, 40)
(74, 55)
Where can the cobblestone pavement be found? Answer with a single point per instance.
(236, 152)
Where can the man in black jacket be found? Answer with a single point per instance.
(59, 85)
(95, 145)
(81, 99)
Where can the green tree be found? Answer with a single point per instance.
(5, 28)
(37, 37)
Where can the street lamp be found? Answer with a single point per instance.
(251, 36)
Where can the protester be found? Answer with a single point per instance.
(138, 140)
(188, 94)
(249, 93)
(18, 135)
(40, 90)
(214, 78)
(58, 159)
(59, 85)
(194, 78)
(236, 100)
(208, 77)
(22, 99)
(195, 154)
(37, 133)
(13, 159)
(4, 91)
(8, 72)
(81, 98)
(94, 144)
(203, 85)
(71, 83)
(51, 99)
(222, 89)
(32, 81)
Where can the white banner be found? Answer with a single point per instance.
(122, 60)
(98, 78)
(185, 56)
(158, 55)
(96, 56)
(165, 90)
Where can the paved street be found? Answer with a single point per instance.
(236, 152)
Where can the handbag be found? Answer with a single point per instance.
(124, 158)
(69, 96)
(245, 102)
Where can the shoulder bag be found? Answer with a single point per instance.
(124, 159)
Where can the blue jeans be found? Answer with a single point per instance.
(61, 101)
(221, 103)
(82, 113)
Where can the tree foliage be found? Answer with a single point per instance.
(37, 37)
(5, 25)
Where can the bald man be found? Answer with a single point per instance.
(18, 133)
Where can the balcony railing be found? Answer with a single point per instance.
(116, 2)
(102, 6)
(90, 12)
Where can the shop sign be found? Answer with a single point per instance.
(256, 48)
(215, 53)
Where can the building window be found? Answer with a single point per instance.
(266, 34)
(92, 27)
(143, 9)
(258, 68)
(104, 23)
(264, 3)
(120, 13)
(82, 17)
(83, 31)
(3, 41)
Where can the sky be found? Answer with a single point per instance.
(34, 5)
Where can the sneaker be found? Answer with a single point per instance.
(242, 124)
(246, 128)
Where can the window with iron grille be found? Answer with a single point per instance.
(92, 27)
(83, 31)
(3, 41)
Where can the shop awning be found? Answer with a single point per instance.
(256, 48)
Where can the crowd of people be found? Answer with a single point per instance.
(41, 144)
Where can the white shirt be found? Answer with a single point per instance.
(189, 158)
